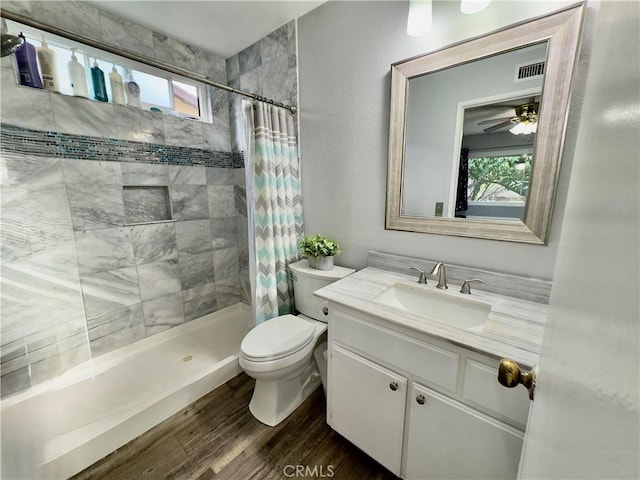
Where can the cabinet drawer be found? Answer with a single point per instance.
(431, 364)
(481, 387)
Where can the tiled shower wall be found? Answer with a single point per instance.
(269, 68)
(77, 282)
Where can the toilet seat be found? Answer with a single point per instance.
(277, 338)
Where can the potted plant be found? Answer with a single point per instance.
(319, 251)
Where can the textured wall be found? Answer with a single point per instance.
(345, 53)
(76, 282)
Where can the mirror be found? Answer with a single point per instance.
(476, 132)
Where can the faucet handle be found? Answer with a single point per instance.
(423, 276)
(466, 285)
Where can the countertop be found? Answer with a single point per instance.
(513, 329)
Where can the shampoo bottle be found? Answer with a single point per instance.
(28, 65)
(133, 91)
(78, 77)
(99, 86)
(46, 57)
(117, 87)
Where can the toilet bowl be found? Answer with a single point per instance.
(278, 353)
(285, 374)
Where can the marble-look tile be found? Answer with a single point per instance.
(199, 301)
(221, 201)
(225, 263)
(240, 196)
(250, 58)
(292, 44)
(233, 67)
(220, 176)
(158, 279)
(174, 52)
(22, 7)
(146, 204)
(45, 369)
(29, 171)
(144, 174)
(126, 34)
(211, 65)
(25, 106)
(245, 286)
(163, 313)
(189, 202)
(91, 171)
(77, 17)
(107, 291)
(116, 329)
(40, 293)
(95, 206)
(33, 220)
(15, 363)
(228, 292)
(80, 116)
(139, 125)
(275, 44)
(196, 269)
(15, 382)
(153, 243)
(104, 250)
(12, 351)
(277, 81)
(187, 175)
(239, 177)
(224, 233)
(252, 81)
(217, 135)
(193, 236)
(183, 132)
(73, 351)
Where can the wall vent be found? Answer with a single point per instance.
(528, 71)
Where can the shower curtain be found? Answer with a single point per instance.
(275, 203)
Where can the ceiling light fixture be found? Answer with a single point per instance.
(526, 127)
(420, 18)
(473, 6)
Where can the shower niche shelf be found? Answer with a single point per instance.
(145, 204)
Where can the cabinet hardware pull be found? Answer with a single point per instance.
(420, 399)
(325, 311)
(393, 386)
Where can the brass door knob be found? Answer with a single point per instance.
(509, 375)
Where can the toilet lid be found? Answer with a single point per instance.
(277, 338)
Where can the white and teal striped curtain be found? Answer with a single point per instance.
(277, 207)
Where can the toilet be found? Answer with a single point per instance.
(279, 353)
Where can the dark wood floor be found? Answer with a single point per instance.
(216, 437)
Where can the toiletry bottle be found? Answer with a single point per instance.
(46, 57)
(117, 87)
(133, 91)
(99, 86)
(28, 65)
(78, 76)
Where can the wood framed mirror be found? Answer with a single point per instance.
(450, 100)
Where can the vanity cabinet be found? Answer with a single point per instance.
(422, 407)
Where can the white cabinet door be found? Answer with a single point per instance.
(446, 439)
(366, 405)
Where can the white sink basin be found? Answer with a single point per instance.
(450, 308)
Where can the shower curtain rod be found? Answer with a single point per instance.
(137, 58)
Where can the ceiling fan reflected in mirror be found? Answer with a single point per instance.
(523, 122)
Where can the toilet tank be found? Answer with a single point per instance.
(307, 280)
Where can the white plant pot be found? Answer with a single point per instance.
(321, 263)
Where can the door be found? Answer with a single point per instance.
(468, 445)
(584, 420)
(366, 406)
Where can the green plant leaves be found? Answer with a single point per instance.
(318, 246)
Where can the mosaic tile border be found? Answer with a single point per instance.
(81, 147)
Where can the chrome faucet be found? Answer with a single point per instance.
(442, 275)
(423, 276)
